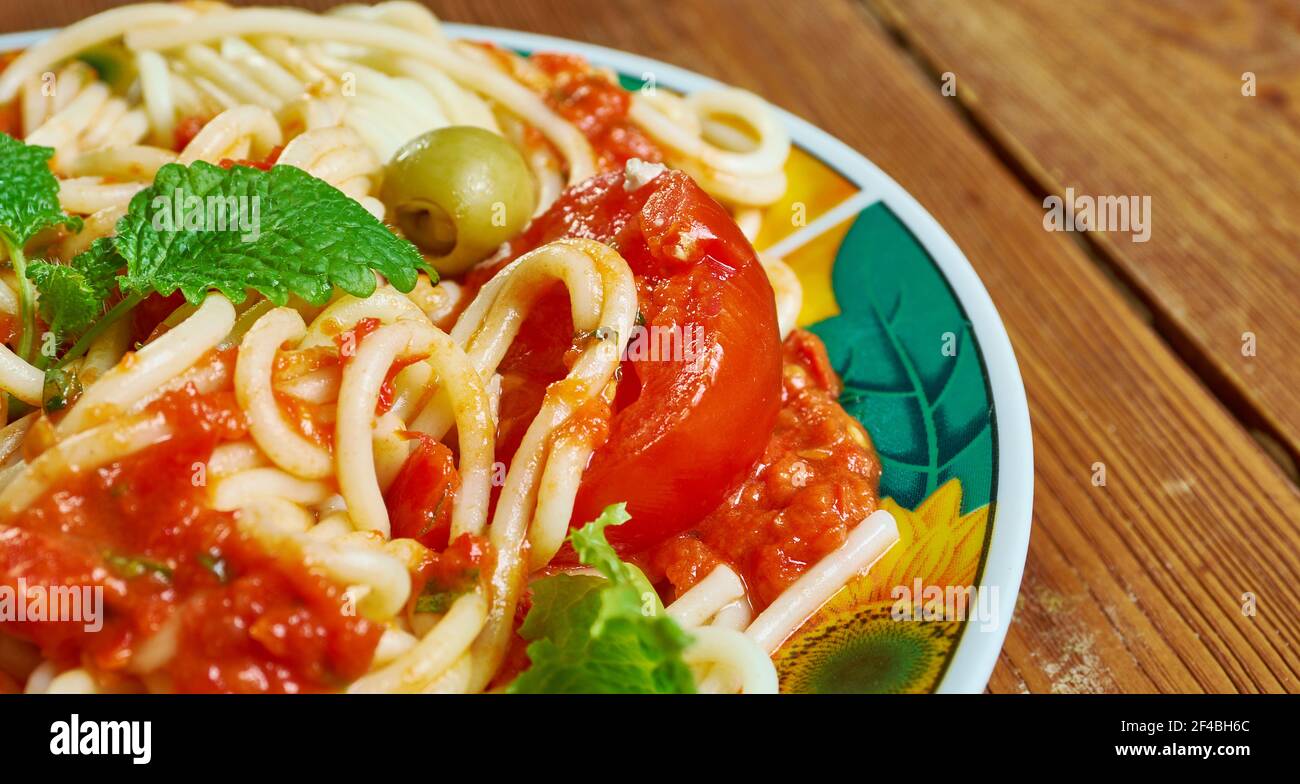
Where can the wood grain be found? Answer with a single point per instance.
(1132, 586)
(1123, 98)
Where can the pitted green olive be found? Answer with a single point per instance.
(458, 193)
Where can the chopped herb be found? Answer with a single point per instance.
(131, 567)
(437, 597)
(62, 388)
(599, 333)
(112, 63)
(438, 603)
(215, 563)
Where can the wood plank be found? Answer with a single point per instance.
(1125, 98)
(1133, 586)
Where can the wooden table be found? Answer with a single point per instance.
(1135, 354)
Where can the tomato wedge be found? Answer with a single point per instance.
(687, 421)
(420, 498)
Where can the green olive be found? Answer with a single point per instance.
(458, 193)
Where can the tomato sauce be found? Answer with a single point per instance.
(817, 478)
(185, 131)
(264, 164)
(445, 575)
(420, 499)
(152, 311)
(349, 341)
(588, 425)
(598, 108)
(315, 421)
(8, 327)
(244, 619)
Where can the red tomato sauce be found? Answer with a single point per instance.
(185, 131)
(8, 327)
(456, 570)
(695, 275)
(421, 497)
(817, 478)
(246, 620)
(264, 164)
(598, 108)
(315, 421)
(588, 425)
(349, 341)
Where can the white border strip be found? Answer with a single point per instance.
(841, 212)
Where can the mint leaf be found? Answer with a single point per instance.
(278, 232)
(203, 227)
(29, 203)
(29, 192)
(592, 635)
(73, 295)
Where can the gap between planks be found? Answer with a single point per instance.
(1022, 165)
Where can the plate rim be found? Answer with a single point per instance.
(1011, 520)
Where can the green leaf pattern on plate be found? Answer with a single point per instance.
(927, 409)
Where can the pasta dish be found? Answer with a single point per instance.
(341, 355)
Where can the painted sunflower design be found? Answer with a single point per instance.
(854, 645)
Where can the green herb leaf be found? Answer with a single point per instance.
(437, 596)
(73, 295)
(278, 232)
(594, 550)
(602, 635)
(113, 63)
(203, 227)
(29, 203)
(29, 192)
(439, 602)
